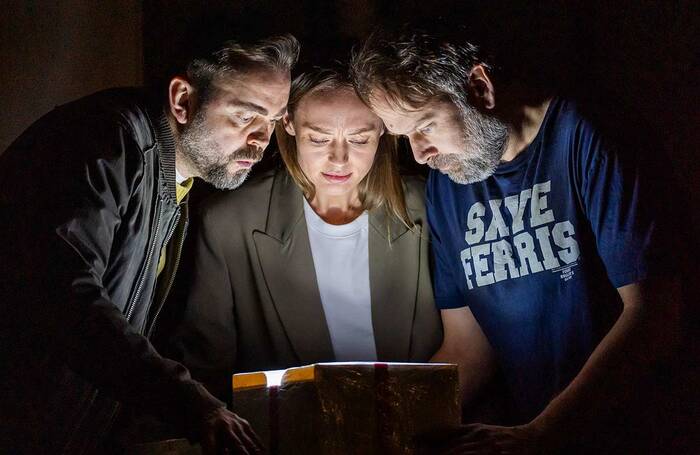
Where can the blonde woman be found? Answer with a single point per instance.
(324, 260)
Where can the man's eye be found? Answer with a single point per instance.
(244, 118)
(427, 128)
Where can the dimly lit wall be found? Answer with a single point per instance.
(53, 52)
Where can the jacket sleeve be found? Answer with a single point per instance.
(98, 342)
(206, 338)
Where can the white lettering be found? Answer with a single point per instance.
(525, 247)
(502, 258)
(563, 237)
(539, 214)
(466, 255)
(516, 206)
(481, 265)
(542, 234)
(498, 227)
(474, 223)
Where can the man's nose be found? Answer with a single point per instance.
(259, 136)
(422, 149)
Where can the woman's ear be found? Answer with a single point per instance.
(481, 90)
(288, 124)
(181, 98)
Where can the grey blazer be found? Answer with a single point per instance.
(254, 303)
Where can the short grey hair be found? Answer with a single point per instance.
(414, 68)
(278, 53)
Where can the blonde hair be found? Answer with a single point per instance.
(381, 187)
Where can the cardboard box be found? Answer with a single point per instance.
(348, 408)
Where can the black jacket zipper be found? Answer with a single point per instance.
(149, 259)
(173, 272)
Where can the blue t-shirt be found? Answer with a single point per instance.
(537, 250)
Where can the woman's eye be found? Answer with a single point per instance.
(360, 141)
(315, 140)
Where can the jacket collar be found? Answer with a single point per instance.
(286, 259)
(166, 143)
(386, 226)
(286, 207)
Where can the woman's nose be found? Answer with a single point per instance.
(338, 154)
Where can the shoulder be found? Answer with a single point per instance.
(414, 192)
(414, 195)
(439, 189)
(94, 120)
(246, 205)
(567, 118)
(127, 108)
(112, 125)
(131, 111)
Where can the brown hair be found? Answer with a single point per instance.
(382, 184)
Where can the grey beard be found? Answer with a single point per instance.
(195, 144)
(222, 179)
(485, 140)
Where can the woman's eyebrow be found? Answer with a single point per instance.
(318, 129)
(364, 129)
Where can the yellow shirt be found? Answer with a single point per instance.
(181, 190)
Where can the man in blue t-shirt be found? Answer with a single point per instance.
(540, 229)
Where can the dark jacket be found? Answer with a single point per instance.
(254, 303)
(87, 201)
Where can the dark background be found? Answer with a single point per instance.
(634, 64)
(637, 62)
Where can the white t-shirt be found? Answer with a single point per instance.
(341, 259)
(178, 177)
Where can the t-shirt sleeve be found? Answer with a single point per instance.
(445, 283)
(624, 203)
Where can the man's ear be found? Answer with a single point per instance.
(181, 98)
(288, 125)
(481, 89)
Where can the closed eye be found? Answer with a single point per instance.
(245, 118)
(427, 128)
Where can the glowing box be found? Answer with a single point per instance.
(348, 408)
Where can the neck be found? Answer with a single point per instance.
(523, 129)
(337, 209)
(182, 164)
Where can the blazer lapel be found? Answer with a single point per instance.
(393, 271)
(284, 253)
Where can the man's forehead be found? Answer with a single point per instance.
(397, 119)
(263, 87)
(398, 116)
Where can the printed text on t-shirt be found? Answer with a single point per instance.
(532, 242)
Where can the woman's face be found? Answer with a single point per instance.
(336, 137)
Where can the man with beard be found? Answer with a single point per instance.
(92, 202)
(540, 229)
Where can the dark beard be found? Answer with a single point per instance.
(485, 141)
(209, 160)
